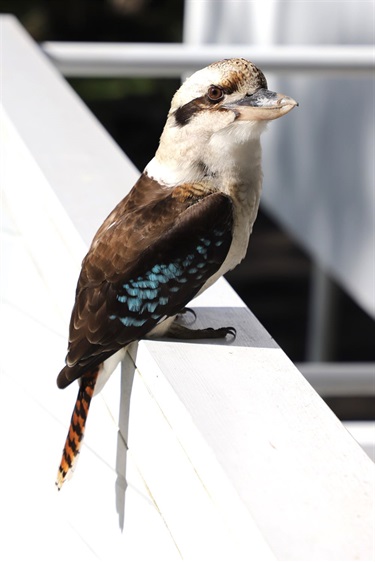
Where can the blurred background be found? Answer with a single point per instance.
(309, 273)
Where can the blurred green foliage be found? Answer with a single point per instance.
(99, 20)
(133, 110)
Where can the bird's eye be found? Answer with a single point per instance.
(215, 93)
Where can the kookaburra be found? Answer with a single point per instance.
(186, 222)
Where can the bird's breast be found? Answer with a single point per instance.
(245, 199)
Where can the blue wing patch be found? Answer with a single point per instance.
(154, 293)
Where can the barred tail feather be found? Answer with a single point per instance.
(77, 428)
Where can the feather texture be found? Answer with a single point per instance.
(77, 428)
(148, 260)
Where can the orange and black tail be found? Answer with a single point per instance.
(77, 428)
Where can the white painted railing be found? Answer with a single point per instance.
(161, 60)
(215, 452)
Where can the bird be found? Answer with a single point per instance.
(185, 223)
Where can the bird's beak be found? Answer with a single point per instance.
(262, 105)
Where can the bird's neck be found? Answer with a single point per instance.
(236, 171)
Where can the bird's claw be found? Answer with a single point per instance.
(187, 310)
(177, 331)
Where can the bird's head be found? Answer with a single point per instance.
(213, 116)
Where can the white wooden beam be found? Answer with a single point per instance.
(225, 447)
(173, 59)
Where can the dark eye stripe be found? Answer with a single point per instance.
(184, 113)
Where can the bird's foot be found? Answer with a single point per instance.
(179, 332)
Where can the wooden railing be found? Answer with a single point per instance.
(196, 451)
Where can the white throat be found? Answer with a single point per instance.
(227, 158)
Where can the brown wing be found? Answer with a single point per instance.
(148, 260)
